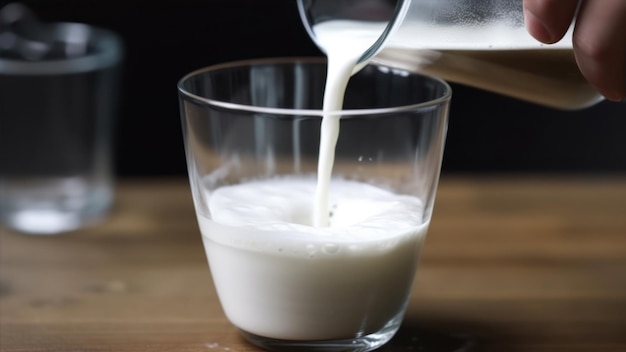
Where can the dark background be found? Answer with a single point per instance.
(165, 40)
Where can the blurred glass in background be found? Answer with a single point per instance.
(58, 103)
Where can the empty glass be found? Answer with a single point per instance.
(59, 84)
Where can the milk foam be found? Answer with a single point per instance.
(496, 36)
(360, 212)
(420, 35)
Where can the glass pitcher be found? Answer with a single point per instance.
(479, 43)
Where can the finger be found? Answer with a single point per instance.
(600, 46)
(548, 20)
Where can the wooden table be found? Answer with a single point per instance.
(510, 264)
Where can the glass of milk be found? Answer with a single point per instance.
(252, 133)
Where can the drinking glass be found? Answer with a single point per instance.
(282, 283)
(59, 85)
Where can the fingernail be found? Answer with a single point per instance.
(537, 28)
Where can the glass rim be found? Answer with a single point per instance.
(109, 53)
(445, 98)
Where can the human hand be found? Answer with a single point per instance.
(599, 37)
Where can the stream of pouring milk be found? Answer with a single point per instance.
(343, 44)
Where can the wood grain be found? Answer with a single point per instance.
(510, 264)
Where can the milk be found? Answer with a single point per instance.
(547, 77)
(344, 44)
(497, 58)
(278, 276)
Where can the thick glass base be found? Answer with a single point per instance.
(42, 221)
(358, 344)
(48, 206)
